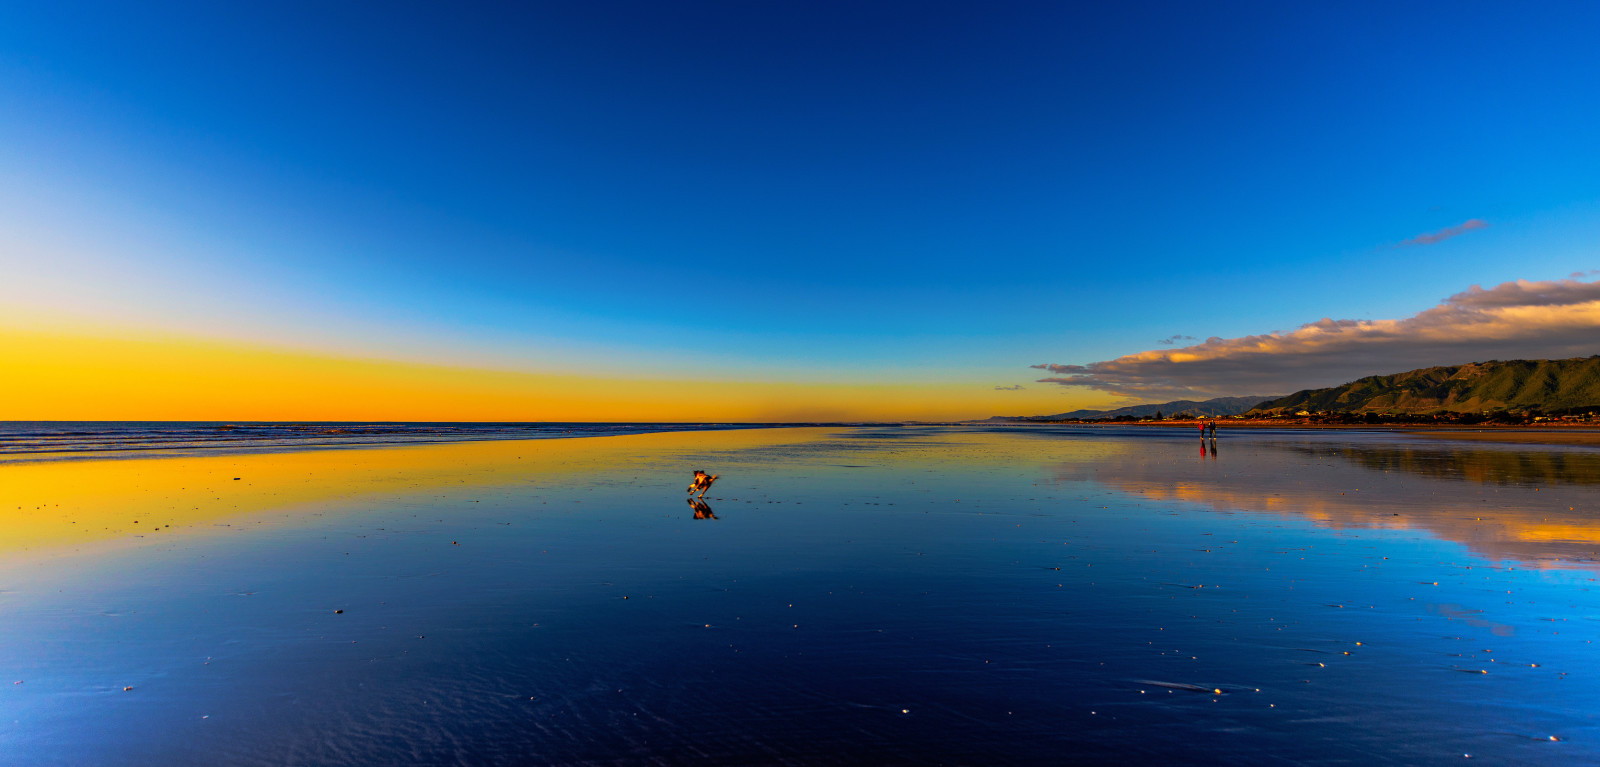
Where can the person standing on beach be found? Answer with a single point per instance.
(1202, 431)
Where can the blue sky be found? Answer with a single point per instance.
(786, 191)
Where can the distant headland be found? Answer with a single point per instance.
(1506, 392)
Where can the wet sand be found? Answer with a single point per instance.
(887, 595)
(1550, 436)
(1580, 435)
(70, 505)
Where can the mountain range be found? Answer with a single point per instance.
(1546, 385)
(1211, 407)
(1549, 386)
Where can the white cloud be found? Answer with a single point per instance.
(1515, 320)
(1446, 233)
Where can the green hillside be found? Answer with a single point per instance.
(1516, 385)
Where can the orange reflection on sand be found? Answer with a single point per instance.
(1574, 541)
(65, 504)
(1486, 500)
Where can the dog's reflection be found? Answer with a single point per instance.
(702, 510)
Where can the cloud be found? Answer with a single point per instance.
(1170, 340)
(1515, 320)
(1446, 233)
(1018, 387)
(1581, 275)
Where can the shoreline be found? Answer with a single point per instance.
(179, 439)
(1552, 434)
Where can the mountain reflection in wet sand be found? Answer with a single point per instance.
(887, 595)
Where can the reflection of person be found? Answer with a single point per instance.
(702, 510)
(702, 482)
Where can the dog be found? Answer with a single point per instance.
(702, 482)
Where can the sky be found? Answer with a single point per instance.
(779, 211)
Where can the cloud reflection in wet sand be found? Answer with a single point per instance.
(1537, 507)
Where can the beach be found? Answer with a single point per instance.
(1552, 436)
(1586, 435)
(896, 595)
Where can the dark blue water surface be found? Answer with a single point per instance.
(936, 595)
